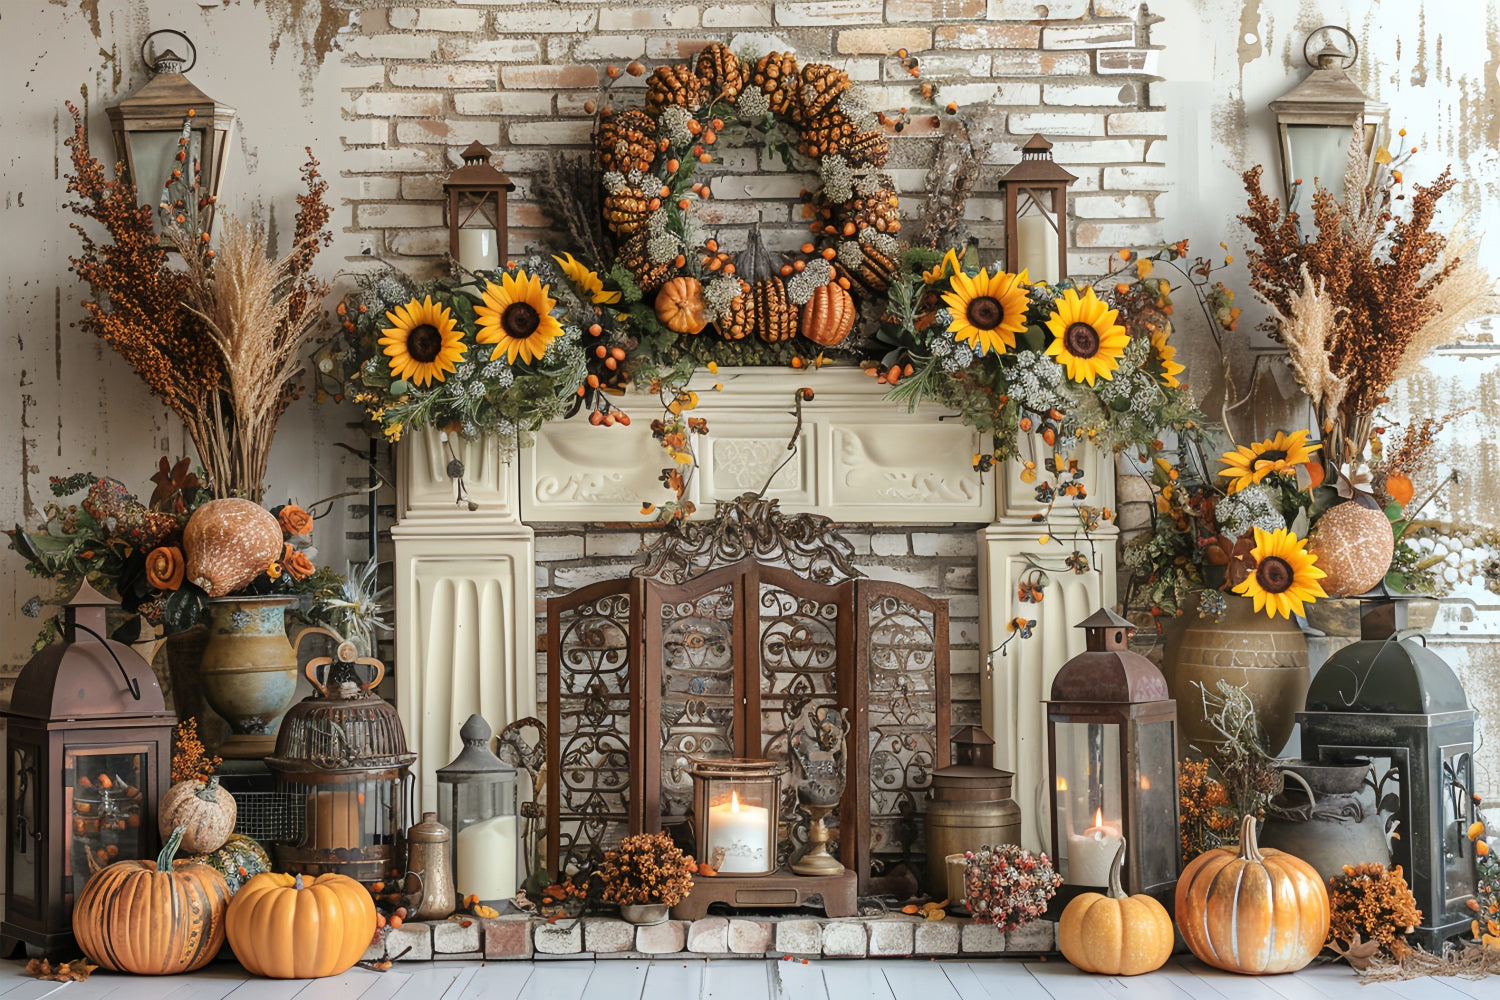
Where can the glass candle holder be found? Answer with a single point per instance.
(736, 806)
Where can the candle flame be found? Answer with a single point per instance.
(1099, 816)
(1062, 784)
(1145, 783)
(734, 801)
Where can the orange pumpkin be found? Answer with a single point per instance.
(679, 305)
(1115, 934)
(828, 316)
(288, 927)
(152, 918)
(1252, 910)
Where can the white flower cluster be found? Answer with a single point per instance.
(662, 248)
(500, 373)
(1038, 383)
(800, 286)
(857, 111)
(673, 124)
(718, 292)
(1252, 507)
(849, 253)
(753, 104)
(1135, 386)
(868, 185)
(952, 355)
(883, 243)
(613, 181)
(838, 179)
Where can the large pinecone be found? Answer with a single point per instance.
(674, 85)
(776, 75)
(826, 135)
(739, 321)
(649, 274)
(626, 210)
(880, 211)
(626, 141)
(723, 75)
(821, 86)
(775, 316)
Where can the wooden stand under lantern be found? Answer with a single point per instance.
(777, 891)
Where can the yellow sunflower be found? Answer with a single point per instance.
(1086, 340)
(585, 279)
(1170, 369)
(517, 317)
(950, 260)
(1285, 578)
(1250, 463)
(423, 341)
(987, 312)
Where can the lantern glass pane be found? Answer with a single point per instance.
(1087, 800)
(741, 822)
(103, 800)
(1457, 849)
(1155, 812)
(1037, 236)
(25, 806)
(154, 157)
(1318, 156)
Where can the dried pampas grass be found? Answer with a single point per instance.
(1309, 326)
(1469, 294)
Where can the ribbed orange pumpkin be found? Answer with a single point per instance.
(1251, 910)
(828, 316)
(1115, 934)
(288, 927)
(152, 918)
(680, 307)
(205, 811)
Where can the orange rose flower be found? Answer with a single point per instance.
(164, 567)
(298, 565)
(294, 520)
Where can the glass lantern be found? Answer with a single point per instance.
(1112, 752)
(476, 194)
(736, 809)
(1036, 213)
(477, 801)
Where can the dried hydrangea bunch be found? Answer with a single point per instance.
(1369, 902)
(647, 868)
(1008, 885)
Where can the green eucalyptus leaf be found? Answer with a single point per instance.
(1036, 340)
(400, 387)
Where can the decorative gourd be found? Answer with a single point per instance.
(738, 321)
(205, 812)
(1252, 910)
(228, 543)
(828, 316)
(1115, 934)
(776, 317)
(290, 927)
(679, 305)
(238, 859)
(152, 918)
(1354, 545)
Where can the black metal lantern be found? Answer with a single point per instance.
(1112, 765)
(1391, 699)
(89, 750)
(1036, 213)
(165, 117)
(1317, 119)
(477, 801)
(477, 195)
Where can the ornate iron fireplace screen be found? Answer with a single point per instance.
(712, 650)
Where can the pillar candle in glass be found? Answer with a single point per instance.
(735, 803)
(477, 801)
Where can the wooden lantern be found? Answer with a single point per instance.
(477, 195)
(1036, 213)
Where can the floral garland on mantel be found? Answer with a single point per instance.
(642, 297)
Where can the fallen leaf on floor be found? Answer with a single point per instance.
(75, 971)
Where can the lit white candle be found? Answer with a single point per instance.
(743, 831)
(1036, 247)
(1091, 853)
(478, 249)
(486, 863)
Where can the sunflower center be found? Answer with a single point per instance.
(985, 312)
(1081, 340)
(520, 320)
(424, 343)
(1274, 574)
(1273, 455)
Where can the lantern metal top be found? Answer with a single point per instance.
(1328, 95)
(343, 726)
(1037, 165)
(1386, 676)
(476, 758)
(476, 173)
(1108, 670)
(164, 99)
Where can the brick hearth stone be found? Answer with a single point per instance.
(662, 939)
(452, 940)
(417, 937)
(894, 936)
(603, 935)
(507, 937)
(982, 939)
(936, 937)
(751, 937)
(562, 938)
(1037, 936)
(799, 937)
(709, 936)
(846, 939)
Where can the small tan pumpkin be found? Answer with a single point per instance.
(1116, 934)
(1251, 910)
(228, 543)
(679, 305)
(1354, 545)
(152, 918)
(828, 316)
(292, 927)
(205, 812)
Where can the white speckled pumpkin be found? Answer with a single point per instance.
(228, 543)
(1354, 545)
(204, 812)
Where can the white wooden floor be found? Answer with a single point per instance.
(827, 979)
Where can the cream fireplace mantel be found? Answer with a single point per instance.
(465, 595)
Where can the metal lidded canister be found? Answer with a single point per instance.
(968, 807)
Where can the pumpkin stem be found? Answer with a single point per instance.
(210, 790)
(169, 850)
(1249, 849)
(297, 882)
(1115, 890)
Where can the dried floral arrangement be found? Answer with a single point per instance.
(220, 340)
(1485, 927)
(191, 761)
(1250, 776)
(1205, 820)
(1371, 903)
(646, 868)
(1008, 885)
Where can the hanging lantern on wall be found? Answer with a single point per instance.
(1317, 119)
(89, 750)
(477, 195)
(1036, 213)
(167, 116)
(1391, 699)
(1112, 765)
(477, 801)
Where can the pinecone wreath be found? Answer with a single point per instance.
(739, 321)
(649, 274)
(879, 210)
(821, 85)
(775, 315)
(626, 210)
